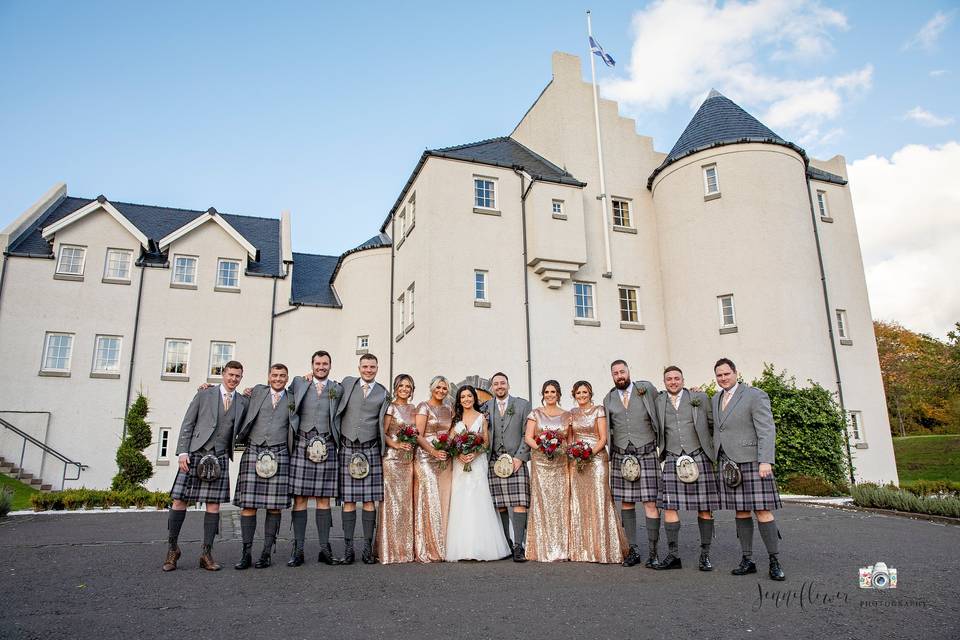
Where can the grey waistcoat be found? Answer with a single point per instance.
(315, 411)
(361, 418)
(220, 438)
(680, 433)
(270, 427)
(631, 426)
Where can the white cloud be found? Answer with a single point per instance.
(723, 46)
(908, 217)
(930, 32)
(927, 119)
(936, 73)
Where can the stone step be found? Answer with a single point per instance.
(35, 482)
(46, 488)
(10, 471)
(24, 477)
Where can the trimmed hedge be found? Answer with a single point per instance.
(925, 488)
(72, 499)
(890, 497)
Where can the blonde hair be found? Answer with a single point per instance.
(437, 380)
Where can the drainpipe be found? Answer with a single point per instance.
(393, 259)
(273, 322)
(833, 341)
(524, 192)
(133, 346)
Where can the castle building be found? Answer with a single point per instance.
(496, 256)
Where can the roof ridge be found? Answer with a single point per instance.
(160, 206)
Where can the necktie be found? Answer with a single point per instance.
(366, 389)
(625, 398)
(319, 385)
(275, 399)
(675, 399)
(726, 400)
(502, 406)
(227, 400)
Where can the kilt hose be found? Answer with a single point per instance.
(313, 478)
(509, 492)
(646, 488)
(369, 489)
(254, 492)
(701, 495)
(754, 493)
(189, 488)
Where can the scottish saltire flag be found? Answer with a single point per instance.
(597, 49)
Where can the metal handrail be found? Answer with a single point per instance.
(67, 462)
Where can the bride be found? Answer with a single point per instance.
(474, 531)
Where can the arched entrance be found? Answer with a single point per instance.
(482, 385)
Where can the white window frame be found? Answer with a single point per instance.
(481, 284)
(163, 443)
(363, 342)
(402, 310)
(591, 298)
(842, 324)
(45, 356)
(174, 281)
(60, 260)
(127, 256)
(410, 306)
(556, 207)
(185, 374)
(625, 222)
(492, 206)
(733, 311)
(707, 168)
(220, 286)
(822, 204)
(402, 219)
(856, 426)
(412, 211)
(636, 303)
(96, 366)
(214, 345)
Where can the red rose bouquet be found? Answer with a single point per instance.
(407, 434)
(442, 443)
(549, 442)
(581, 453)
(464, 444)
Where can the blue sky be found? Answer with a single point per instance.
(324, 108)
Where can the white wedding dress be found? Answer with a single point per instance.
(474, 531)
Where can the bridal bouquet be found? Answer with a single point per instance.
(442, 443)
(581, 453)
(549, 442)
(407, 434)
(465, 443)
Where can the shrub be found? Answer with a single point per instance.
(805, 485)
(890, 497)
(71, 499)
(932, 487)
(6, 502)
(133, 467)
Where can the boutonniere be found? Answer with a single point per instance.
(640, 390)
(695, 402)
(332, 393)
(510, 411)
(291, 406)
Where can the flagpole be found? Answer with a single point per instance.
(603, 188)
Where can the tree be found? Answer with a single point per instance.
(134, 468)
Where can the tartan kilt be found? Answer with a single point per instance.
(189, 488)
(754, 493)
(645, 488)
(313, 478)
(254, 492)
(509, 492)
(702, 495)
(369, 489)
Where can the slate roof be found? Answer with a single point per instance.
(158, 222)
(312, 278)
(824, 176)
(496, 152)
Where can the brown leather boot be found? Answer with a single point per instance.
(206, 560)
(173, 554)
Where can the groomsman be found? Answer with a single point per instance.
(264, 476)
(360, 413)
(744, 439)
(686, 434)
(632, 420)
(208, 428)
(507, 418)
(316, 400)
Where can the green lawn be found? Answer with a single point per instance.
(928, 457)
(21, 492)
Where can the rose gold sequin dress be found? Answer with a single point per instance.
(431, 489)
(549, 519)
(596, 534)
(395, 525)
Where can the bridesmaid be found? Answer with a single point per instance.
(395, 528)
(595, 531)
(431, 483)
(547, 529)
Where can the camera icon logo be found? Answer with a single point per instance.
(878, 576)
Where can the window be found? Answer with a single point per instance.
(117, 265)
(402, 219)
(220, 354)
(228, 274)
(484, 193)
(412, 210)
(106, 354)
(621, 213)
(185, 270)
(629, 306)
(163, 445)
(557, 206)
(842, 324)
(711, 183)
(71, 260)
(363, 342)
(583, 300)
(856, 426)
(57, 350)
(176, 356)
(402, 313)
(822, 204)
(728, 317)
(480, 286)
(410, 305)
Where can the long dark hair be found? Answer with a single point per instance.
(547, 385)
(458, 408)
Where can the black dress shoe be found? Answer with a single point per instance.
(670, 562)
(776, 573)
(746, 566)
(296, 558)
(264, 561)
(652, 561)
(367, 554)
(245, 560)
(519, 553)
(348, 554)
(326, 555)
(705, 564)
(633, 558)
